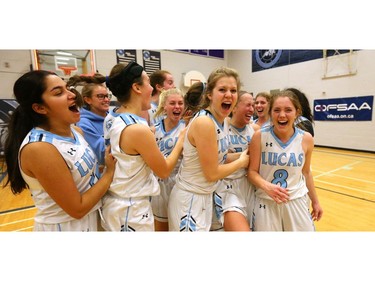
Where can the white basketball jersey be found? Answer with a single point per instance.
(151, 114)
(282, 163)
(81, 162)
(133, 177)
(239, 138)
(190, 176)
(107, 124)
(167, 140)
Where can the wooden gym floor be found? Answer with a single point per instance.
(344, 180)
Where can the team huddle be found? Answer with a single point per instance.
(160, 160)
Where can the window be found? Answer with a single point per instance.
(65, 63)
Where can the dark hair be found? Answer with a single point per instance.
(306, 110)
(88, 82)
(28, 89)
(157, 78)
(121, 79)
(193, 97)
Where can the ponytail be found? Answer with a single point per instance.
(19, 126)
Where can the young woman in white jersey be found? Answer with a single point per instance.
(127, 206)
(262, 105)
(280, 170)
(160, 80)
(47, 155)
(234, 199)
(204, 153)
(171, 106)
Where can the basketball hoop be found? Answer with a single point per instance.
(192, 77)
(67, 69)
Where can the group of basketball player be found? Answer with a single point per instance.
(160, 160)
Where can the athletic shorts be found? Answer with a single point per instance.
(238, 195)
(189, 211)
(127, 214)
(159, 202)
(87, 223)
(291, 216)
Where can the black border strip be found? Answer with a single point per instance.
(17, 209)
(344, 194)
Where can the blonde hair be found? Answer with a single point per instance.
(163, 99)
(214, 77)
(265, 95)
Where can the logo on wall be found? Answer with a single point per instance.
(146, 55)
(344, 109)
(267, 58)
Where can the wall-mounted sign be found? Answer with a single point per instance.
(344, 109)
(151, 61)
(206, 53)
(126, 56)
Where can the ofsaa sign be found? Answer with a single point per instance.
(344, 109)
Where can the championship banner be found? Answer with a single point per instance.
(344, 109)
(266, 59)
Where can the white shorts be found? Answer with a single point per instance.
(87, 223)
(217, 213)
(189, 211)
(159, 202)
(238, 195)
(127, 214)
(291, 216)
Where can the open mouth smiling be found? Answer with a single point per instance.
(73, 108)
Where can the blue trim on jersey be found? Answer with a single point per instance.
(130, 119)
(266, 129)
(284, 145)
(38, 135)
(208, 113)
(113, 112)
(240, 130)
(162, 127)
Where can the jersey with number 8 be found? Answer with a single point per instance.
(282, 163)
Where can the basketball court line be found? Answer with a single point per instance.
(346, 177)
(332, 173)
(344, 194)
(346, 187)
(345, 154)
(345, 167)
(21, 229)
(17, 221)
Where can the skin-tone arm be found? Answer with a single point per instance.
(41, 160)
(141, 140)
(202, 134)
(308, 145)
(232, 156)
(277, 193)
